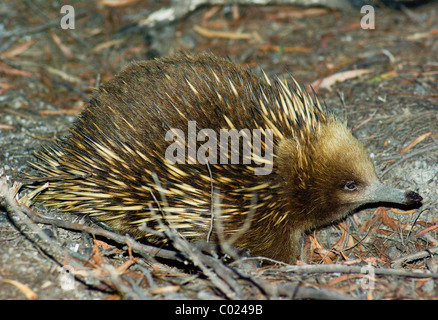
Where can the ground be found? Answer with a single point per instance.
(383, 81)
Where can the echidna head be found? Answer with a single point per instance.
(332, 174)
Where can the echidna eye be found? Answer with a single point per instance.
(350, 185)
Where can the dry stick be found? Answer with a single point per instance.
(22, 220)
(179, 9)
(334, 268)
(365, 121)
(406, 156)
(291, 290)
(36, 29)
(294, 291)
(415, 256)
(145, 250)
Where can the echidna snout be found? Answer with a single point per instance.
(116, 150)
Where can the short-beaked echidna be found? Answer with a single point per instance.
(117, 148)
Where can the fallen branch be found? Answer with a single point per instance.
(181, 8)
(22, 221)
(36, 29)
(415, 256)
(338, 268)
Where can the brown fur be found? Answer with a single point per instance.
(118, 141)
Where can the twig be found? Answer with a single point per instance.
(406, 156)
(294, 291)
(145, 250)
(181, 8)
(365, 121)
(36, 29)
(415, 256)
(222, 34)
(22, 220)
(337, 268)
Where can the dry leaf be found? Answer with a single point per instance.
(65, 50)
(17, 50)
(28, 292)
(315, 243)
(375, 261)
(387, 220)
(369, 223)
(6, 86)
(112, 297)
(125, 265)
(297, 13)
(15, 72)
(107, 44)
(6, 126)
(270, 47)
(398, 211)
(431, 228)
(222, 34)
(325, 255)
(384, 76)
(414, 143)
(96, 255)
(102, 244)
(117, 3)
(166, 289)
(339, 77)
(343, 278)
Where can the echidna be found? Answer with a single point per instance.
(136, 153)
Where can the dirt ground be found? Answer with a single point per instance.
(382, 80)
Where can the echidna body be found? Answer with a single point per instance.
(116, 148)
